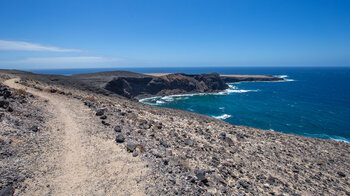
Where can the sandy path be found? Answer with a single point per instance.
(78, 161)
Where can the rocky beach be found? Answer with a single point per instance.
(90, 129)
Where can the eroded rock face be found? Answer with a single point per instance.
(169, 84)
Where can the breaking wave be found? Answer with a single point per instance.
(285, 78)
(325, 136)
(223, 117)
(159, 100)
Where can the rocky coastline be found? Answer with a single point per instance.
(132, 85)
(174, 152)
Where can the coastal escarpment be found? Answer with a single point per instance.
(168, 84)
(249, 78)
(134, 85)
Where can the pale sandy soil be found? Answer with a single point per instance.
(157, 74)
(81, 162)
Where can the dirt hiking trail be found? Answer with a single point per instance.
(79, 161)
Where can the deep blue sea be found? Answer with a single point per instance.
(313, 102)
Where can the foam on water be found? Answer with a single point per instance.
(158, 100)
(223, 117)
(282, 76)
(285, 78)
(326, 136)
(339, 139)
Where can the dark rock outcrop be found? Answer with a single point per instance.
(249, 78)
(168, 84)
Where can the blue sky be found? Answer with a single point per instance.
(133, 33)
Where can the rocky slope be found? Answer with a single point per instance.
(131, 85)
(191, 154)
(164, 85)
(21, 120)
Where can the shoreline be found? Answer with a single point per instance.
(236, 79)
(224, 92)
(220, 92)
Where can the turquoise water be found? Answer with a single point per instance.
(312, 102)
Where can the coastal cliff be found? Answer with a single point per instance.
(165, 85)
(61, 127)
(133, 85)
(249, 78)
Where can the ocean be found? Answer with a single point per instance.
(313, 102)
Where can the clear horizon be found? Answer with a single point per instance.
(120, 34)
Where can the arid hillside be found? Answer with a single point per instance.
(61, 136)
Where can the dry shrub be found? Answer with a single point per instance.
(91, 98)
(20, 92)
(23, 81)
(140, 148)
(181, 161)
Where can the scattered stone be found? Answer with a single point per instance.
(229, 141)
(189, 142)
(53, 90)
(222, 135)
(5, 92)
(244, 184)
(103, 117)
(160, 125)
(117, 129)
(100, 112)
(34, 128)
(215, 161)
(273, 181)
(200, 174)
(165, 144)
(120, 138)
(130, 147)
(143, 124)
(88, 103)
(10, 109)
(135, 153)
(21, 178)
(166, 161)
(341, 174)
(105, 122)
(4, 104)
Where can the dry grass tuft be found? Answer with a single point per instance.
(21, 92)
(91, 98)
(140, 148)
